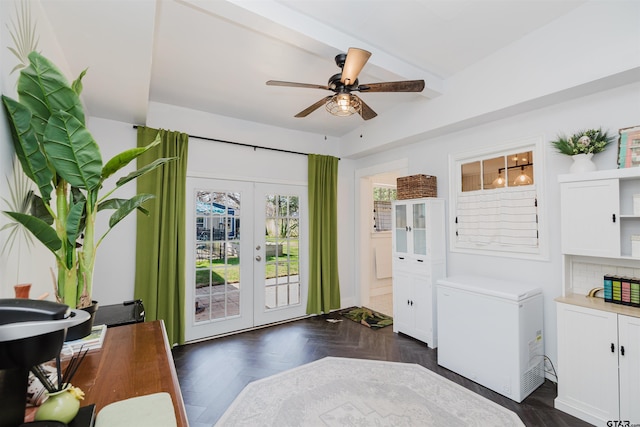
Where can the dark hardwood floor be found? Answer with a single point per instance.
(212, 373)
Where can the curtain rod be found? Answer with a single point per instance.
(242, 144)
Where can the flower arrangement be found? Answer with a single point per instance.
(583, 142)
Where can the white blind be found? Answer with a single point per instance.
(382, 215)
(504, 219)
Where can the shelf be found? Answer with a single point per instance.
(626, 173)
(599, 304)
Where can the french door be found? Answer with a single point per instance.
(247, 255)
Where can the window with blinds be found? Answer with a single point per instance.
(505, 220)
(381, 215)
(495, 202)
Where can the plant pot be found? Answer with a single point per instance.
(22, 290)
(60, 406)
(582, 163)
(84, 328)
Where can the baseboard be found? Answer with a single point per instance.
(563, 406)
(383, 290)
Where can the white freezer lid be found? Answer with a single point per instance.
(510, 290)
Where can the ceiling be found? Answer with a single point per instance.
(215, 56)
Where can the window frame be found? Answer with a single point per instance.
(456, 160)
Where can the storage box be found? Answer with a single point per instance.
(416, 186)
(635, 245)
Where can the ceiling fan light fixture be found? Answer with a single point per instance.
(343, 104)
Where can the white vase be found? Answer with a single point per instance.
(582, 163)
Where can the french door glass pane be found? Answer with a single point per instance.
(281, 276)
(217, 257)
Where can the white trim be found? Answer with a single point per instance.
(534, 144)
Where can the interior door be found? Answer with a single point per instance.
(246, 249)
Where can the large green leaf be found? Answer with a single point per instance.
(128, 207)
(74, 222)
(33, 161)
(40, 230)
(40, 211)
(145, 169)
(121, 160)
(72, 151)
(117, 204)
(45, 90)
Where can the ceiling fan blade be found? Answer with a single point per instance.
(356, 58)
(314, 107)
(403, 86)
(293, 84)
(365, 111)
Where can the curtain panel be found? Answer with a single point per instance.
(324, 285)
(160, 239)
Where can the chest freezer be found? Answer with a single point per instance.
(491, 332)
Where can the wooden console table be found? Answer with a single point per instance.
(135, 360)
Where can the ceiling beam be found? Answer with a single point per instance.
(276, 20)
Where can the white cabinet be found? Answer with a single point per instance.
(598, 342)
(590, 218)
(418, 262)
(598, 361)
(597, 216)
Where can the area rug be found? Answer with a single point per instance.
(367, 317)
(339, 392)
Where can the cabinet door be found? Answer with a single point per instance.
(587, 363)
(590, 218)
(629, 340)
(402, 312)
(400, 228)
(419, 228)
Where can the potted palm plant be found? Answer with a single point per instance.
(60, 156)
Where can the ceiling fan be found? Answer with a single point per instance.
(344, 102)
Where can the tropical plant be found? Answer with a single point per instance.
(60, 156)
(23, 34)
(20, 200)
(583, 142)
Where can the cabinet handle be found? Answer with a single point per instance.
(411, 303)
(408, 302)
(613, 217)
(622, 350)
(400, 257)
(406, 228)
(613, 348)
(409, 228)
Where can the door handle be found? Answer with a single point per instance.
(622, 350)
(613, 348)
(258, 258)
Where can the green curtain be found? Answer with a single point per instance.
(160, 239)
(324, 285)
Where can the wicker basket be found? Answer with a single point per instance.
(416, 186)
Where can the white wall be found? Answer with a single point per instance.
(613, 109)
(593, 48)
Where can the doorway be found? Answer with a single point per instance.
(374, 249)
(246, 255)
